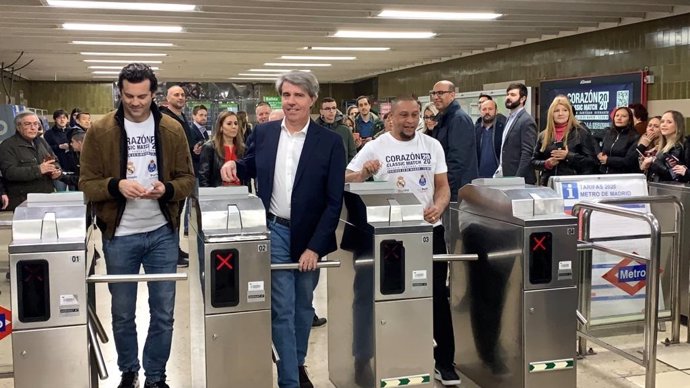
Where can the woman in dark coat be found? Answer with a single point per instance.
(669, 162)
(226, 144)
(563, 147)
(619, 148)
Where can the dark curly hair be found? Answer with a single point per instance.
(135, 73)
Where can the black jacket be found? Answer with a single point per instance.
(187, 131)
(345, 134)
(499, 125)
(455, 132)
(56, 136)
(620, 146)
(581, 159)
(660, 170)
(71, 167)
(209, 167)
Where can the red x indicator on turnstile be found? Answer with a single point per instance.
(538, 243)
(223, 261)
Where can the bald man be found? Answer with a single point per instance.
(176, 100)
(276, 114)
(455, 131)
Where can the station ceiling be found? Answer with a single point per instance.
(223, 39)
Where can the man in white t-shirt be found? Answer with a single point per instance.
(136, 170)
(416, 163)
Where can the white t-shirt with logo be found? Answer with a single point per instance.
(141, 215)
(410, 164)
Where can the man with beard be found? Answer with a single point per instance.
(198, 134)
(176, 99)
(489, 131)
(455, 132)
(519, 137)
(427, 179)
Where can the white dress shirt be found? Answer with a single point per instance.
(290, 147)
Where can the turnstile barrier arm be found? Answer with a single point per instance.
(154, 277)
(98, 354)
(456, 257)
(319, 265)
(93, 317)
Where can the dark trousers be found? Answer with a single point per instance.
(444, 353)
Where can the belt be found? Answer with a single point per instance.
(278, 220)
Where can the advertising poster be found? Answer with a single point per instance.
(594, 97)
(618, 283)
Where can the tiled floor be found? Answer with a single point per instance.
(603, 370)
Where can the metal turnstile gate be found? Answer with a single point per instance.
(514, 310)
(47, 270)
(380, 303)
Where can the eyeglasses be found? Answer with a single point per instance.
(429, 117)
(439, 93)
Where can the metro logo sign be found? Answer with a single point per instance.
(5, 322)
(628, 275)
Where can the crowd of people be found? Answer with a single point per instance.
(139, 164)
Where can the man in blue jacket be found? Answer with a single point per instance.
(299, 167)
(455, 131)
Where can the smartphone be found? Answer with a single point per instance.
(558, 145)
(640, 153)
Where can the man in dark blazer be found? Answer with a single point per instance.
(299, 167)
(455, 132)
(519, 137)
(489, 132)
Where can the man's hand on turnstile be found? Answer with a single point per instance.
(228, 173)
(432, 214)
(307, 262)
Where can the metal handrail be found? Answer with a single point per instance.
(648, 360)
(134, 278)
(675, 252)
(456, 257)
(293, 266)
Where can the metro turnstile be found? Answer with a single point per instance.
(380, 300)
(514, 310)
(230, 288)
(666, 214)
(47, 270)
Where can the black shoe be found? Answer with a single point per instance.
(182, 253)
(182, 262)
(129, 380)
(157, 384)
(318, 322)
(304, 381)
(446, 375)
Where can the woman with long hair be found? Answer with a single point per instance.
(650, 139)
(670, 151)
(243, 122)
(619, 147)
(226, 144)
(563, 147)
(430, 113)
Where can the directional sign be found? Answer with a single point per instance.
(5, 322)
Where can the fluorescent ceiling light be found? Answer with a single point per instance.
(384, 34)
(115, 68)
(297, 64)
(423, 15)
(105, 76)
(120, 27)
(259, 75)
(123, 61)
(253, 78)
(316, 58)
(324, 48)
(143, 44)
(125, 54)
(136, 6)
(277, 70)
(105, 72)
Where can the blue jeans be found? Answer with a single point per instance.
(156, 251)
(291, 309)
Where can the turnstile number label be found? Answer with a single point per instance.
(392, 276)
(33, 290)
(262, 247)
(540, 258)
(225, 290)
